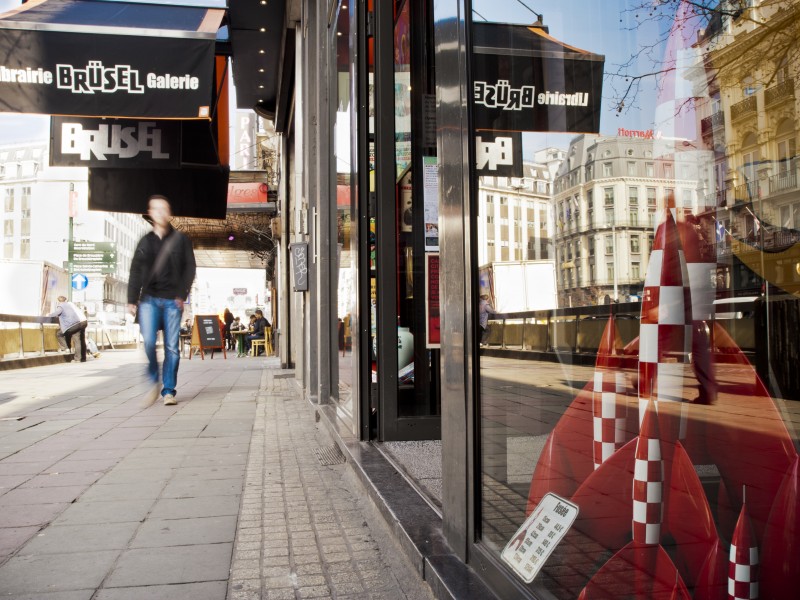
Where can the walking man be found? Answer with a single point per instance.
(71, 321)
(162, 272)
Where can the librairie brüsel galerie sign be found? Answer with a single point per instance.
(526, 80)
(62, 73)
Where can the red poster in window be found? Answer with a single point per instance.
(432, 320)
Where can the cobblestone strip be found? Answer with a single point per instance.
(302, 531)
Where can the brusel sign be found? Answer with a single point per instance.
(125, 143)
(62, 73)
(526, 80)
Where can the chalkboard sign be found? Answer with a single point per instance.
(299, 254)
(207, 335)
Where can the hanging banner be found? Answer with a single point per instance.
(433, 336)
(526, 80)
(92, 60)
(119, 143)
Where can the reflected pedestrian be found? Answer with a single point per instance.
(161, 276)
(485, 309)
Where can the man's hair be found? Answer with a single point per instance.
(61, 298)
(158, 197)
(258, 312)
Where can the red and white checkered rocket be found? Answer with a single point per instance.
(609, 403)
(665, 334)
(648, 482)
(743, 561)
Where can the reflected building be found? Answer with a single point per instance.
(607, 197)
(749, 119)
(519, 215)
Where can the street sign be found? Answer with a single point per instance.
(79, 281)
(93, 257)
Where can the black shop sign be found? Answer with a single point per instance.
(526, 80)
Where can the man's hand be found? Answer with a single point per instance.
(179, 303)
(132, 308)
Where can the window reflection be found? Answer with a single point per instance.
(654, 386)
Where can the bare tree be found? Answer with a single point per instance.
(736, 38)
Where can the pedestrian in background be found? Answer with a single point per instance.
(71, 321)
(227, 317)
(161, 276)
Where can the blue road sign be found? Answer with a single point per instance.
(79, 281)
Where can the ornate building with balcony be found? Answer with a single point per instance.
(607, 197)
(749, 118)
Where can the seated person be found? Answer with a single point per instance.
(257, 329)
(186, 328)
(236, 325)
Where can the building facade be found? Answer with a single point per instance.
(519, 216)
(41, 202)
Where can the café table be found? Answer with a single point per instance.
(240, 337)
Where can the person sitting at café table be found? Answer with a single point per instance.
(236, 325)
(257, 329)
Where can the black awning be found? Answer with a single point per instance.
(109, 59)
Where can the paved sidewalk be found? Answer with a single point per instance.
(102, 500)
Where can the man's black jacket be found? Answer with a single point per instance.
(176, 276)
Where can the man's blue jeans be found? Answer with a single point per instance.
(155, 314)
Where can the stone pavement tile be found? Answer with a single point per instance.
(209, 590)
(192, 488)
(102, 492)
(166, 459)
(183, 532)
(32, 514)
(23, 468)
(75, 595)
(30, 456)
(55, 572)
(12, 538)
(49, 495)
(106, 512)
(56, 479)
(215, 460)
(58, 539)
(226, 472)
(180, 564)
(9, 482)
(154, 473)
(189, 508)
(78, 466)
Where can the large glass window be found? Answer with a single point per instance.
(638, 429)
(345, 202)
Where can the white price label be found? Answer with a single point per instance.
(535, 540)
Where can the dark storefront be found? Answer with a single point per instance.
(620, 442)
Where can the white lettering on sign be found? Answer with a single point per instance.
(172, 82)
(97, 78)
(26, 75)
(502, 95)
(116, 140)
(498, 152)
